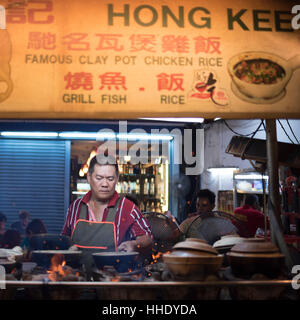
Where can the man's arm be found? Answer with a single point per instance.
(141, 244)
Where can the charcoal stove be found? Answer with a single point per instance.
(149, 284)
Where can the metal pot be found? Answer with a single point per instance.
(43, 257)
(121, 261)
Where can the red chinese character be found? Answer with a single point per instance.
(175, 44)
(15, 12)
(170, 82)
(141, 42)
(110, 79)
(35, 16)
(74, 41)
(207, 45)
(79, 80)
(41, 40)
(109, 42)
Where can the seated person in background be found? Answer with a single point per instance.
(250, 215)
(36, 226)
(2, 225)
(22, 224)
(205, 224)
(11, 239)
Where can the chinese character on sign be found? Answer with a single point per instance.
(74, 41)
(144, 42)
(109, 42)
(16, 12)
(41, 40)
(37, 11)
(79, 80)
(112, 79)
(36, 15)
(170, 82)
(175, 44)
(207, 45)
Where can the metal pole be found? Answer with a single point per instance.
(274, 195)
(272, 163)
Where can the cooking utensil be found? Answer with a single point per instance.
(195, 268)
(245, 265)
(49, 241)
(43, 257)
(255, 256)
(165, 231)
(196, 246)
(255, 246)
(228, 241)
(121, 261)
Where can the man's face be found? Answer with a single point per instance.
(203, 205)
(103, 181)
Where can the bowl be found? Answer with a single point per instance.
(262, 90)
(192, 268)
(121, 261)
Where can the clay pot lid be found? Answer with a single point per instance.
(255, 246)
(228, 241)
(244, 255)
(196, 239)
(195, 245)
(190, 253)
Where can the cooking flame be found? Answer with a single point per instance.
(58, 269)
(155, 257)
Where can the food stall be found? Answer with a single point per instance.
(92, 60)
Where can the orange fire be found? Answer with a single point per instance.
(155, 257)
(58, 269)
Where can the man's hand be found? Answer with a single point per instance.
(128, 246)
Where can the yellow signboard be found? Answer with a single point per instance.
(130, 59)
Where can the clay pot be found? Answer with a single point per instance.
(255, 256)
(228, 241)
(192, 268)
(199, 246)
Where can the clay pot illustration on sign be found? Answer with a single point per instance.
(6, 84)
(261, 77)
